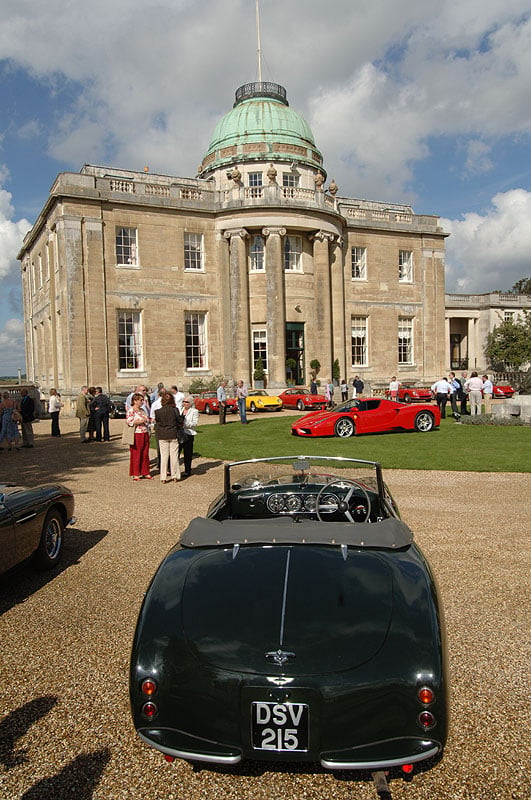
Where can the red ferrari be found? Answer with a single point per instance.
(208, 403)
(412, 394)
(301, 399)
(373, 415)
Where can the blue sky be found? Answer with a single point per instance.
(419, 102)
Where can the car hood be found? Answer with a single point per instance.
(289, 610)
(314, 418)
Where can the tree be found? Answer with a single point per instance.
(259, 372)
(315, 366)
(523, 286)
(509, 344)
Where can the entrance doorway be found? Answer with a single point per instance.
(295, 353)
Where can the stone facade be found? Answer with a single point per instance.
(74, 286)
(469, 320)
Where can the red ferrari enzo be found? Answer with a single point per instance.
(373, 415)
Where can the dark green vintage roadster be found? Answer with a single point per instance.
(298, 621)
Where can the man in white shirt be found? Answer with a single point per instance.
(474, 387)
(442, 389)
(488, 391)
(178, 397)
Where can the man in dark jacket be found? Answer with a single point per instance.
(101, 405)
(27, 411)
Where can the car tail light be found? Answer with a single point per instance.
(407, 768)
(148, 686)
(426, 695)
(169, 759)
(426, 720)
(149, 710)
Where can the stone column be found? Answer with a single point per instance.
(340, 333)
(322, 335)
(275, 307)
(239, 304)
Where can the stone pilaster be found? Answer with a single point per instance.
(341, 336)
(239, 304)
(275, 307)
(323, 335)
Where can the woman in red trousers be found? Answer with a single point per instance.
(139, 451)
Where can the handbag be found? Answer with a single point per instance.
(128, 434)
(16, 416)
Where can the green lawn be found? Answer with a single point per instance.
(452, 447)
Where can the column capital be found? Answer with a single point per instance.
(273, 232)
(322, 236)
(241, 232)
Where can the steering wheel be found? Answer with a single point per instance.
(344, 503)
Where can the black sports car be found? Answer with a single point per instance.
(118, 409)
(298, 621)
(32, 522)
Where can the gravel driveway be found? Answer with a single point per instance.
(65, 729)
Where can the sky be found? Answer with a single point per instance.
(423, 102)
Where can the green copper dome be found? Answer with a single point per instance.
(261, 127)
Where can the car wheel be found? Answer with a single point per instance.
(252, 408)
(424, 422)
(344, 428)
(208, 410)
(51, 544)
(300, 405)
(407, 398)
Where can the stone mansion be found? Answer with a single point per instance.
(133, 277)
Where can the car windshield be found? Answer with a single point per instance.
(287, 470)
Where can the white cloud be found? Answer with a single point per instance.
(12, 354)
(11, 235)
(490, 251)
(376, 81)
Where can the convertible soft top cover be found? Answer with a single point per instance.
(203, 532)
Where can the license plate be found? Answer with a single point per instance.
(282, 727)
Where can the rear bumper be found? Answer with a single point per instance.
(383, 755)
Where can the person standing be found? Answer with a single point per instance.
(102, 406)
(139, 451)
(167, 422)
(179, 398)
(394, 386)
(54, 407)
(357, 386)
(156, 393)
(27, 411)
(464, 394)
(488, 391)
(241, 395)
(474, 387)
(344, 390)
(442, 389)
(8, 427)
(456, 392)
(191, 420)
(83, 412)
(313, 386)
(221, 394)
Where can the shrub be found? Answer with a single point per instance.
(486, 419)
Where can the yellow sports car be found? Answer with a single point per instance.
(260, 400)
